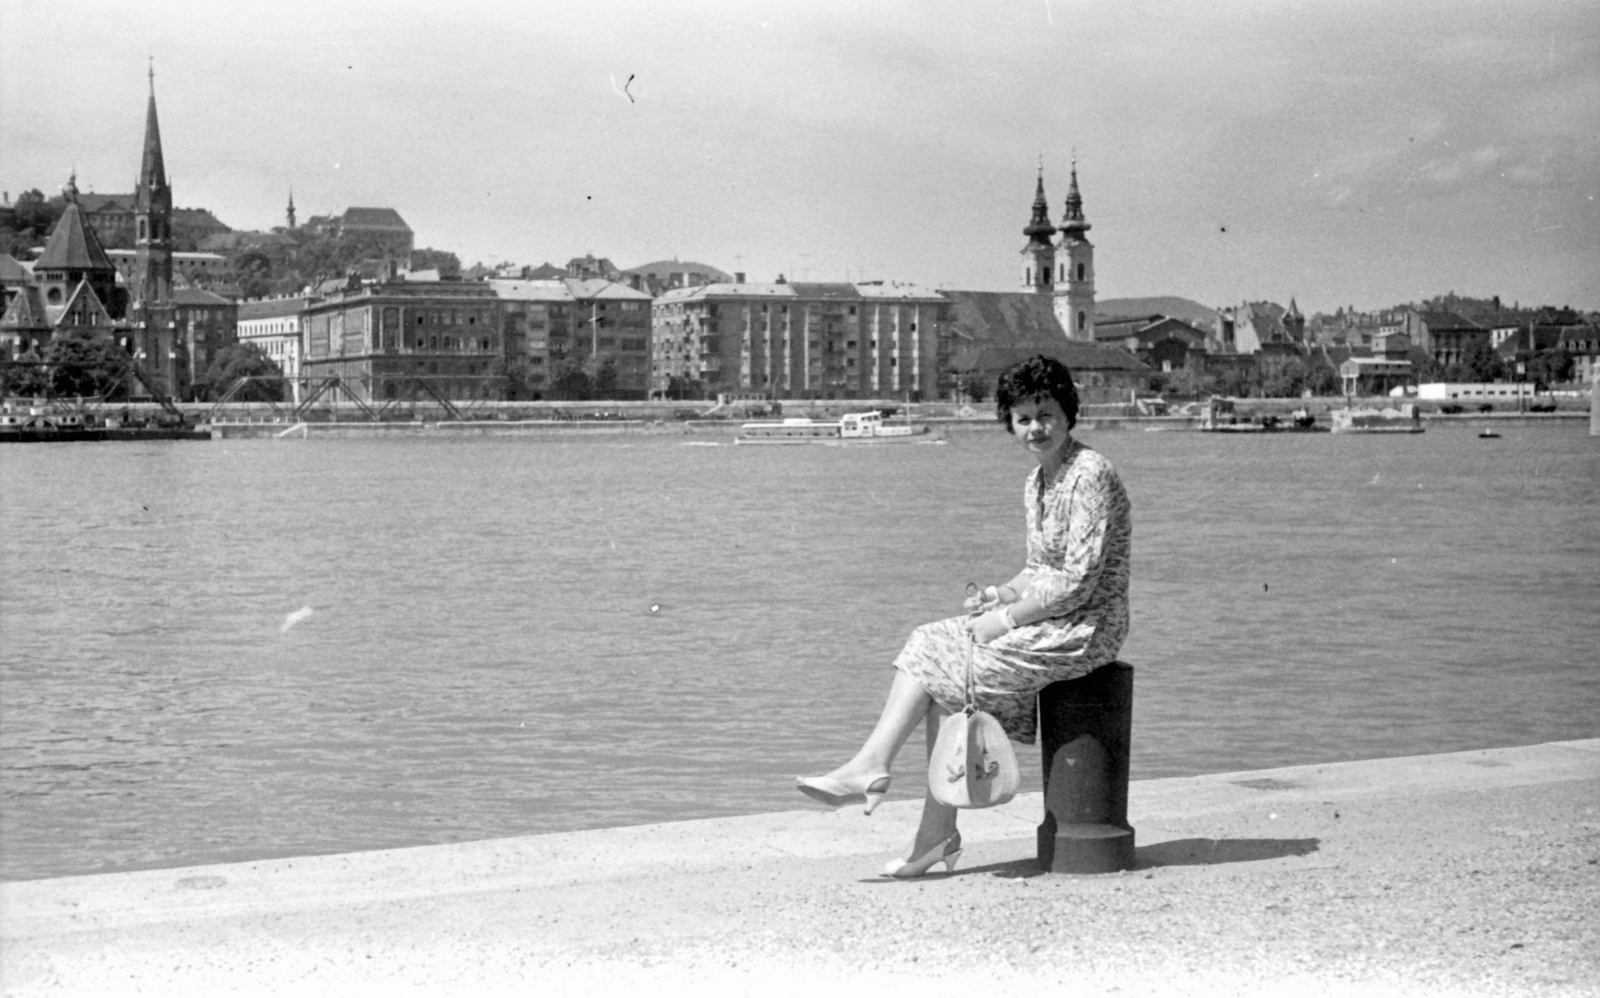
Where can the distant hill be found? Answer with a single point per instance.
(1191, 312)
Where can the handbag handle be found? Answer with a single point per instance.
(972, 695)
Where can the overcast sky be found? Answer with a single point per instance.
(1346, 152)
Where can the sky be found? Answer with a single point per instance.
(1359, 153)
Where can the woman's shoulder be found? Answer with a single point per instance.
(1089, 465)
(1088, 461)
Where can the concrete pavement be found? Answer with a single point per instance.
(1472, 873)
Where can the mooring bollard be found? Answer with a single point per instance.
(1085, 726)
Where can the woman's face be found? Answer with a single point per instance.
(1042, 427)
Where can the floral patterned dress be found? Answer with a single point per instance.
(1079, 547)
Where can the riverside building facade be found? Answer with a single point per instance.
(277, 326)
(395, 339)
(799, 341)
(591, 325)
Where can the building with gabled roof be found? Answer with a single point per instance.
(71, 287)
(24, 329)
(1582, 344)
(990, 331)
(14, 276)
(1447, 337)
(171, 333)
(73, 255)
(1162, 342)
(382, 224)
(1264, 327)
(590, 267)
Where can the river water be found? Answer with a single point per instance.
(520, 635)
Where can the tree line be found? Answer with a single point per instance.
(80, 364)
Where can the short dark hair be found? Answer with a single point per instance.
(1033, 380)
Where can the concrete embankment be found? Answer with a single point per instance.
(1472, 873)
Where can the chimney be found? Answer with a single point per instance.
(738, 277)
(781, 280)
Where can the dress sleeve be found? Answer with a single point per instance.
(1067, 552)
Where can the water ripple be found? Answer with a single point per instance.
(483, 659)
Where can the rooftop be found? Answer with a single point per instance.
(552, 290)
(73, 245)
(272, 308)
(373, 218)
(603, 290)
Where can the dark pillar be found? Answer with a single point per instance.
(1085, 727)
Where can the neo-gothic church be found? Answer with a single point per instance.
(1064, 268)
(171, 333)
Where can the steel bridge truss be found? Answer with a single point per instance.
(325, 392)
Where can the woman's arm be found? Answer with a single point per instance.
(992, 597)
(995, 622)
(1095, 501)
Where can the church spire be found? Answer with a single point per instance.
(1074, 288)
(1039, 256)
(152, 168)
(152, 215)
(1039, 229)
(1073, 221)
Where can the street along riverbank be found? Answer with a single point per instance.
(1468, 873)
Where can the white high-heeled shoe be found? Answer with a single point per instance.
(837, 793)
(946, 852)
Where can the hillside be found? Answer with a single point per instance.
(1191, 312)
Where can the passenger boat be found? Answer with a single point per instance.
(39, 417)
(40, 421)
(1221, 416)
(851, 428)
(1405, 419)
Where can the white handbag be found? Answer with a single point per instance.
(972, 764)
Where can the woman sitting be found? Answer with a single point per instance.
(1063, 616)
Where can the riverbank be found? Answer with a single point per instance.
(719, 429)
(1470, 873)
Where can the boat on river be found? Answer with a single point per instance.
(851, 428)
(1222, 416)
(54, 421)
(1405, 419)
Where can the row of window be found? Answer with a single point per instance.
(450, 343)
(447, 318)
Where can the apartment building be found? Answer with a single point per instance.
(798, 341)
(277, 326)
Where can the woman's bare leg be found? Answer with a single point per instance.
(938, 820)
(905, 708)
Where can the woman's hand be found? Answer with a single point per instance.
(984, 599)
(988, 626)
(989, 598)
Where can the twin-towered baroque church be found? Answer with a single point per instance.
(1065, 268)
